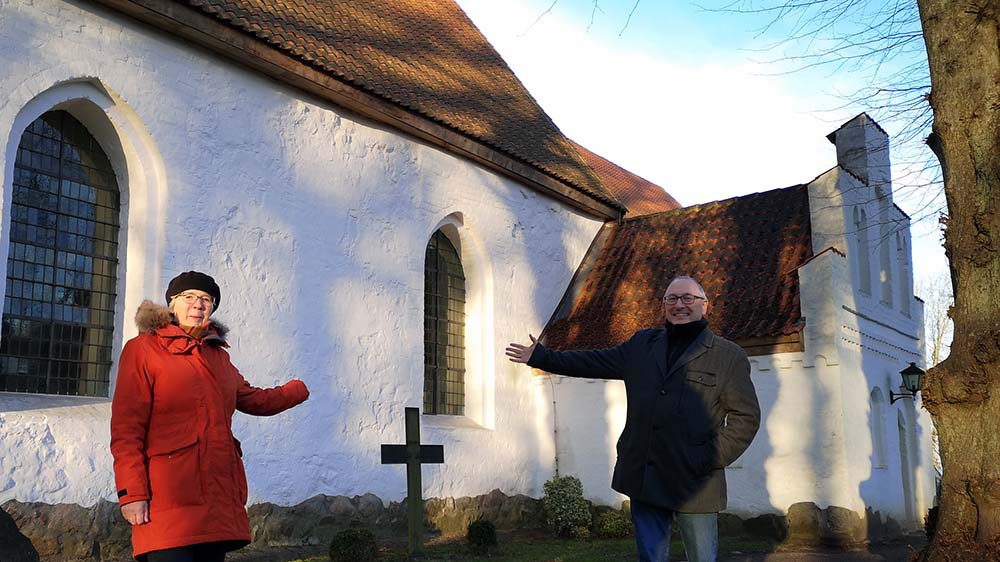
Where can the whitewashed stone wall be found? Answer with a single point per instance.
(314, 223)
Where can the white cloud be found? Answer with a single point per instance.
(704, 132)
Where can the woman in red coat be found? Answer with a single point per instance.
(178, 470)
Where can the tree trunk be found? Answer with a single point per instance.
(963, 392)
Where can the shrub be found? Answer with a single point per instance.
(613, 525)
(354, 544)
(565, 508)
(481, 536)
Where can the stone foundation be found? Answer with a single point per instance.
(99, 534)
(14, 546)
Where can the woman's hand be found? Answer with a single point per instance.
(136, 513)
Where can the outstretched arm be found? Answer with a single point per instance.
(587, 363)
(269, 401)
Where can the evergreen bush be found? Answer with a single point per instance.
(354, 544)
(613, 525)
(481, 536)
(566, 511)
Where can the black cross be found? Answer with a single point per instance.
(413, 454)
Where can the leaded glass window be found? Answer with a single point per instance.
(58, 311)
(444, 328)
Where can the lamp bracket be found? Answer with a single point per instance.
(893, 396)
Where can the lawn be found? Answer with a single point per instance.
(537, 548)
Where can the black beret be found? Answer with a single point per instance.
(194, 280)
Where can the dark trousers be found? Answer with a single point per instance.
(207, 552)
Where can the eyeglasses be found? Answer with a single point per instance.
(190, 298)
(686, 299)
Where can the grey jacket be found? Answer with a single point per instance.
(682, 428)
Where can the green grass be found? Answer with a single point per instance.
(544, 549)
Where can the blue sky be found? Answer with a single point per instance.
(683, 98)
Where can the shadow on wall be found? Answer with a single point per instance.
(374, 263)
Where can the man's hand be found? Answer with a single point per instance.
(136, 513)
(521, 353)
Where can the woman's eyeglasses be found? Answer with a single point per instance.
(191, 298)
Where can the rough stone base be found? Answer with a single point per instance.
(837, 526)
(316, 520)
(14, 547)
(73, 533)
(452, 516)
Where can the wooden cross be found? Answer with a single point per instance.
(413, 454)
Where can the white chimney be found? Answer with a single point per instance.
(863, 150)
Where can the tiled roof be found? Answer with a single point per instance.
(744, 251)
(641, 196)
(425, 56)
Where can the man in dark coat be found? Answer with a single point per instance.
(692, 410)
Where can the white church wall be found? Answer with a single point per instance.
(898, 486)
(314, 223)
(801, 446)
(589, 418)
(877, 334)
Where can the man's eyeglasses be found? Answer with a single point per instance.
(686, 299)
(191, 298)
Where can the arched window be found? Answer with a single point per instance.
(58, 314)
(905, 290)
(885, 264)
(864, 263)
(444, 328)
(906, 467)
(878, 428)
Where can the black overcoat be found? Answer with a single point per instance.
(682, 428)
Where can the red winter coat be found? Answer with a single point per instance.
(171, 434)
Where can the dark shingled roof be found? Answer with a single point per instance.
(641, 196)
(424, 55)
(744, 251)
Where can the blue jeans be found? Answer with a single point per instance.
(699, 531)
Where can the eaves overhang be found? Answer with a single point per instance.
(212, 34)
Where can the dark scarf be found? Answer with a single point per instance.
(679, 338)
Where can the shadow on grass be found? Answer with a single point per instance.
(523, 546)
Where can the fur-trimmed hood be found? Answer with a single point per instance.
(151, 317)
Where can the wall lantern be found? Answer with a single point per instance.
(912, 377)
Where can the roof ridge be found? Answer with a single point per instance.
(720, 202)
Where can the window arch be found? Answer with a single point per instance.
(903, 258)
(444, 328)
(885, 264)
(58, 315)
(864, 263)
(878, 428)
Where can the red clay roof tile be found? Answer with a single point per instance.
(744, 251)
(639, 195)
(424, 55)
